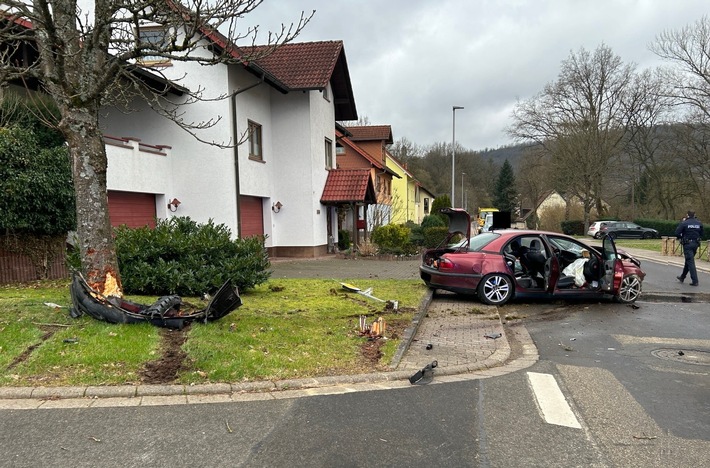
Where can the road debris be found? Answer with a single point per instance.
(425, 375)
(493, 336)
(367, 292)
(375, 329)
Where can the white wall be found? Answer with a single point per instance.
(294, 128)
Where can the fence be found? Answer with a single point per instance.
(672, 246)
(18, 268)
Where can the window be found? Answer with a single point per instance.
(339, 150)
(154, 36)
(255, 147)
(426, 205)
(328, 154)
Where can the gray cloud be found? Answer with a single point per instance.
(411, 61)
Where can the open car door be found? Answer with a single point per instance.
(610, 262)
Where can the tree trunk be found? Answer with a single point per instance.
(89, 163)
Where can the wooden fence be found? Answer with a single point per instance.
(17, 268)
(672, 246)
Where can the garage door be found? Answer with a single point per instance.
(251, 216)
(132, 209)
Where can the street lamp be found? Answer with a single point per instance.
(453, 156)
(462, 174)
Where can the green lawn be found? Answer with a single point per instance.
(287, 328)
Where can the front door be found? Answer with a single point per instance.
(610, 260)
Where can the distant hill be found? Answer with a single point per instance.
(512, 153)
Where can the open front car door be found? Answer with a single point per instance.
(613, 271)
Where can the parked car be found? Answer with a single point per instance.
(595, 229)
(502, 264)
(627, 230)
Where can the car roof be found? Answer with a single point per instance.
(512, 232)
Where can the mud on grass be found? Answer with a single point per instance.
(172, 361)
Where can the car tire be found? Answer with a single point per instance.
(612, 235)
(647, 235)
(495, 289)
(630, 289)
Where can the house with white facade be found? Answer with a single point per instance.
(282, 108)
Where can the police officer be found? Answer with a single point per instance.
(690, 233)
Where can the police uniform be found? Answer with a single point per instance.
(690, 233)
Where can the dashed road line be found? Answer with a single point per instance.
(551, 401)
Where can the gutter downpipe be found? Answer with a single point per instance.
(236, 148)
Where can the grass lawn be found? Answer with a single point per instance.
(287, 328)
(646, 244)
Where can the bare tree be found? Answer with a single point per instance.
(579, 120)
(688, 51)
(89, 59)
(533, 181)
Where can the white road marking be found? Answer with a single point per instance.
(551, 401)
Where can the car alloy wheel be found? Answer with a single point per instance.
(495, 289)
(630, 289)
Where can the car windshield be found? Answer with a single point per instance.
(568, 245)
(477, 242)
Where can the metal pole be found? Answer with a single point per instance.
(453, 156)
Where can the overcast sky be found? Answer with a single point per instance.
(410, 61)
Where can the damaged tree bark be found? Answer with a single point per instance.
(89, 165)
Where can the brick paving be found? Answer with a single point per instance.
(456, 329)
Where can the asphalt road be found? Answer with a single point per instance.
(637, 401)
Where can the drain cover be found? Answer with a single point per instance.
(686, 356)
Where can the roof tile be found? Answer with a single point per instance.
(371, 132)
(305, 65)
(348, 185)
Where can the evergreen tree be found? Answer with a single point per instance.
(439, 203)
(505, 195)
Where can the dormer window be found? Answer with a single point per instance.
(153, 36)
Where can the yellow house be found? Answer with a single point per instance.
(410, 201)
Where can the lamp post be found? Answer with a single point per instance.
(462, 174)
(453, 155)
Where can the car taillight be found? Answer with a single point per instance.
(445, 264)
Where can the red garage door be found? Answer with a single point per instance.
(132, 209)
(251, 216)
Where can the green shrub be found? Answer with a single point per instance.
(416, 234)
(664, 227)
(432, 221)
(573, 227)
(182, 257)
(343, 239)
(439, 203)
(434, 236)
(393, 239)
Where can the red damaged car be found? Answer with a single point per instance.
(502, 264)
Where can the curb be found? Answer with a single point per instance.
(498, 358)
(411, 331)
